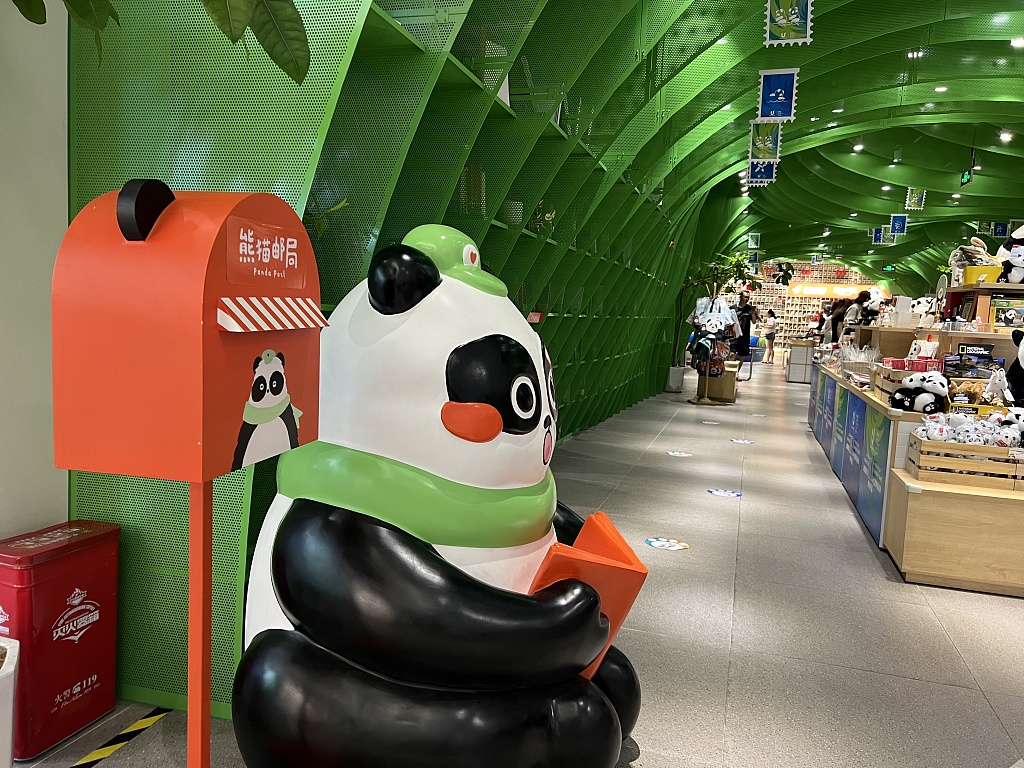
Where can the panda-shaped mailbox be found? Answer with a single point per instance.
(417, 596)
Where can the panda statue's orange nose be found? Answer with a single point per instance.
(475, 422)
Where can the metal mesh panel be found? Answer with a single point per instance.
(153, 610)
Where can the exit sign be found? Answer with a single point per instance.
(889, 268)
(966, 177)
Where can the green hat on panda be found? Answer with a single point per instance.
(456, 256)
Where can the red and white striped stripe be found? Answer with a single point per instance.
(268, 313)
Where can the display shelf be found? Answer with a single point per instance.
(381, 32)
(994, 287)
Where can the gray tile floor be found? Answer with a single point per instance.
(783, 637)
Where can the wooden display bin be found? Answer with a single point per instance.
(988, 466)
(956, 535)
(721, 388)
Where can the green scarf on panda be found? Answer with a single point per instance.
(433, 509)
(252, 414)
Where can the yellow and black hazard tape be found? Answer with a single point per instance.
(121, 739)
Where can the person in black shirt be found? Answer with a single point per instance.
(748, 315)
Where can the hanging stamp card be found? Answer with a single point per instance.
(778, 95)
(788, 22)
(765, 141)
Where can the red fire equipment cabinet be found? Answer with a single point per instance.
(58, 599)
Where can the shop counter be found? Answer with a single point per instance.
(956, 535)
(864, 439)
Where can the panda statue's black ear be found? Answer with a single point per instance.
(1017, 336)
(400, 277)
(280, 356)
(256, 363)
(139, 204)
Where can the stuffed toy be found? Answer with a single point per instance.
(938, 432)
(871, 309)
(931, 391)
(1013, 417)
(974, 255)
(1015, 373)
(389, 613)
(926, 307)
(903, 398)
(997, 388)
(957, 420)
(1007, 437)
(1011, 256)
(970, 391)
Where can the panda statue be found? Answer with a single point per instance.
(1011, 256)
(388, 618)
(1015, 373)
(270, 423)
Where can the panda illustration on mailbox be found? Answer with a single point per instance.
(270, 423)
(418, 598)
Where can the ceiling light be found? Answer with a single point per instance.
(837, 111)
(744, 188)
(853, 215)
(727, 106)
(858, 147)
(1017, 42)
(745, 213)
(955, 203)
(941, 89)
(870, 252)
(821, 245)
(929, 105)
(721, 41)
(977, 167)
(956, 196)
(833, 124)
(886, 188)
(827, 232)
(1005, 137)
(746, 194)
(815, 119)
(915, 54)
(1001, 18)
(743, 174)
(892, 165)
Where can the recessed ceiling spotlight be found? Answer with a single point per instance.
(853, 215)
(745, 213)
(956, 195)
(744, 188)
(833, 124)
(721, 41)
(815, 119)
(821, 245)
(892, 165)
(1017, 42)
(743, 174)
(837, 111)
(858, 147)
(1001, 18)
(727, 106)
(955, 203)
(1005, 137)
(941, 89)
(915, 54)
(870, 252)
(886, 188)
(746, 194)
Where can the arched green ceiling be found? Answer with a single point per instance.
(653, 99)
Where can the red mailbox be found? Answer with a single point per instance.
(186, 333)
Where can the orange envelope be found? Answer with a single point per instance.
(601, 558)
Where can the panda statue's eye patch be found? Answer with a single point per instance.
(259, 389)
(497, 370)
(276, 383)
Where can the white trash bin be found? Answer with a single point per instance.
(8, 674)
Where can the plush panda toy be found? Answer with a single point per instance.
(1011, 256)
(388, 620)
(925, 392)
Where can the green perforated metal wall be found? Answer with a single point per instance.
(628, 120)
(153, 598)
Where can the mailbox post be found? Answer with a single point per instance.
(186, 344)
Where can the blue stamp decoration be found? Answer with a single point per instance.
(778, 95)
(762, 171)
(877, 236)
(660, 542)
(723, 492)
(898, 223)
(1000, 229)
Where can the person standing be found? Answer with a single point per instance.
(768, 328)
(836, 319)
(856, 309)
(747, 315)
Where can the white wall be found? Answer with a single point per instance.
(33, 218)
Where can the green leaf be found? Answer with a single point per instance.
(338, 207)
(33, 10)
(91, 14)
(232, 17)
(279, 29)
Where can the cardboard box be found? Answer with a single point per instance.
(981, 274)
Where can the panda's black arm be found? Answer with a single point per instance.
(388, 602)
(244, 435)
(288, 417)
(567, 524)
